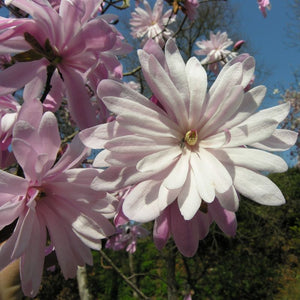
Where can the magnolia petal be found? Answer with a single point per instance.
(112, 88)
(280, 140)
(251, 159)
(165, 91)
(24, 233)
(185, 233)
(32, 262)
(197, 81)
(258, 127)
(141, 203)
(95, 137)
(134, 144)
(79, 103)
(49, 137)
(178, 174)
(161, 230)
(11, 209)
(257, 187)
(63, 240)
(225, 219)
(16, 76)
(250, 103)
(158, 160)
(72, 156)
(189, 200)
(229, 199)
(221, 87)
(217, 172)
(203, 179)
(12, 184)
(177, 70)
(231, 102)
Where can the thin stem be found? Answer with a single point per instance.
(139, 292)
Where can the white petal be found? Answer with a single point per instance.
(229, 199)
(250, 103)
(258, 126)
(203, 180)
(189, 199)
(159, 160)
(177, 70)
(177, 176)
(197, 80)
(280, 140)
(141, 203)
(257, 187)
(251, 159)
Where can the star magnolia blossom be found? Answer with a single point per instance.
(200, 146)
(54, 200)
(215, 51)
(151, 25)
(70, 40)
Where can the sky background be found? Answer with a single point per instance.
(268, 38)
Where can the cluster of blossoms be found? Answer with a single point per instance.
(180, 158)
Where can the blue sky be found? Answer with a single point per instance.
(268, 37)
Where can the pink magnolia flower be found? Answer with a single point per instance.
(215, 51)
(200, 146)
(148, 24)
(69, 41)
(262, 5)
(126, 237)
(55, 200)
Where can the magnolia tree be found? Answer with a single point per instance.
(179, 157)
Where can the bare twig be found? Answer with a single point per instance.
(120, 273)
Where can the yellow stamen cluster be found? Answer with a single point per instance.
(191, 137)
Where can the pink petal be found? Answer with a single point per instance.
(16, 76)
(161, 230)
(80, 107)
(225, 219)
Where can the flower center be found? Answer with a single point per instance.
(191, 137)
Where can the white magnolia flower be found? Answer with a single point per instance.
(148, 24)
(197, 145)
(215, 50)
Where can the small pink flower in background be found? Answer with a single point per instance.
(54, 198)
(262, 5)
(5, 61)
(127, 231)
(190, 8)
(215, 50)
(134, 85)
(9, 109)
(148, 24)
(202, 146)
(70, 41)
(126, 237)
